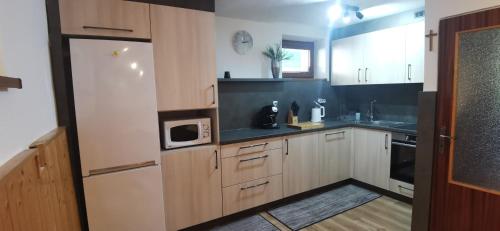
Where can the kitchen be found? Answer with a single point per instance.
(237, 115)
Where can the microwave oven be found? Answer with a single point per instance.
(183, 133)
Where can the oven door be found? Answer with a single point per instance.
(403, 161)
(181, 135)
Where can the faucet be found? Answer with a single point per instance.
(371, 109)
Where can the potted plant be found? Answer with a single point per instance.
(276, 54)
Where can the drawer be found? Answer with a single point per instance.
(252, 194)
(251, 147)
(111, 18)
(243, 168)
(400, 187)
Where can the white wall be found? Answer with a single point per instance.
(436, 10)
(28, 113)
(254, 64)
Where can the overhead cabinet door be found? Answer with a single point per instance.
(184, 51)
(415, 49)
(113, 18)
(347, 61)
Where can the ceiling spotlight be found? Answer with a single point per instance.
(359, 15)
(346, 19)
(335, 12)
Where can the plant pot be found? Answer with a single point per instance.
(276, 68)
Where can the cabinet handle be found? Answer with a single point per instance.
(335, 133)
(386, 141)
(254, 186)
(286, 140)
(253, 146)
(409, 72)
(216, 159)
(359, 70)
(213, 94)
(255, 158)
(366, 75)
(108, 28)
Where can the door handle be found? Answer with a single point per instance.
(443, 137)
(216, 159)
(213, 94)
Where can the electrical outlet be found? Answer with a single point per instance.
(321, 100)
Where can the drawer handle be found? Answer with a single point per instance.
(254, 186)
(256, 158)
(253, 146)
(107, 28)
(401, 187)
(335, 133)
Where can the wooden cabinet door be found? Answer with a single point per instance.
(300, 166)
(114, 18)
(192, 186)
(415, 49)
(184, 52)
(335, 156)
(384, 55)
(347, 61)
(372, 150)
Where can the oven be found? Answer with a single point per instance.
(403, 149)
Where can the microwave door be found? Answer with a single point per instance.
(184, 135)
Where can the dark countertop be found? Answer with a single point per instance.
(248, 134)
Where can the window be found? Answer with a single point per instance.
(301, 64)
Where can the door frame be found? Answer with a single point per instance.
(454, 207)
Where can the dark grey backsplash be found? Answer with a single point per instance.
(239, 102)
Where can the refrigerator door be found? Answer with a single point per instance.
(115, 104)
(129, 200)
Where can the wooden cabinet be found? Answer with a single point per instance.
(383, 59)
(372, 157)
(192, 186)
(300, 164)
(347, 61)
(393, 55)
(335, 156)
(113, 18)
(184, 52)
(415, 49)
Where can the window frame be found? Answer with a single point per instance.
(292, 44)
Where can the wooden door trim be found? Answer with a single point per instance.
(453, 206)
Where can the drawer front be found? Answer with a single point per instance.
(251, 147)
(243, 168)
(113, 18)
(251, 194)
(402, 188)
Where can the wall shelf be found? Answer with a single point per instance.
(8, 82)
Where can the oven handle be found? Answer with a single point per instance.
(404, 145)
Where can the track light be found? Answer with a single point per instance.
(359, 15)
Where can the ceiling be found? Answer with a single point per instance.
(311, 12)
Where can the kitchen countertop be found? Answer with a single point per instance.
(248, 134)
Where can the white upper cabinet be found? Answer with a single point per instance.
(388, 56)
(384, 56)
(415, 49)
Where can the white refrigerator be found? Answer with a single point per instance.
(118, 134)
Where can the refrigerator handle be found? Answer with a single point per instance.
(121, 168)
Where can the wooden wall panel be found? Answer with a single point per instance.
(36, 188)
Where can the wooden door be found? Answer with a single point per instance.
(347, 60)
(458, 202)
(113, 18)
(184, 52)
(372, 150)
(415, 49)
(301, 164)
(335, 156)
(192, 186)
(384, 56)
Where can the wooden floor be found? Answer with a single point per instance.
(381, 214)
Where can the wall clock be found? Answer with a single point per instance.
(242, 42)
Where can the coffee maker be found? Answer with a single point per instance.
(267, 116)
